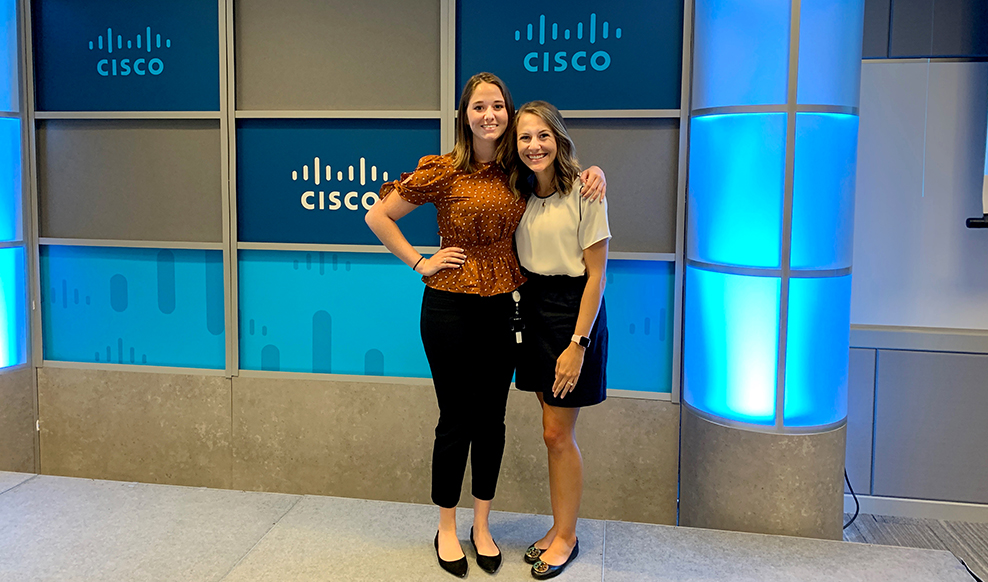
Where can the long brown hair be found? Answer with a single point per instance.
(463, 146)
(567, 167)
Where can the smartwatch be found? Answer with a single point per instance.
(580, 340)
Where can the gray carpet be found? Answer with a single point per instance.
(967, 541)
(63, 529)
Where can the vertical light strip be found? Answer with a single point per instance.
(791, 95)
(685, 108)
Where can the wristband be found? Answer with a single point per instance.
(415, 266)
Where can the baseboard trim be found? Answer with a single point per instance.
(919, 508)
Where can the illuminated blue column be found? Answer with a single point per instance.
(13, 311)
(773, 147)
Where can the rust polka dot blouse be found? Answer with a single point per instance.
(476, 212)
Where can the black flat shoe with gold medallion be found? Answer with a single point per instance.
(532, 554)
(543, 571)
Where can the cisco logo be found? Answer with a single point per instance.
(343, 180)
(579, 60)
(142, 44)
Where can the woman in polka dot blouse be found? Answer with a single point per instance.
(467, 306)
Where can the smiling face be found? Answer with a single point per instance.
(536, 145)
(487, 114)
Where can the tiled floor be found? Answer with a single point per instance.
(61, 529)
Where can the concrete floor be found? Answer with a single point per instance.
(62, 529)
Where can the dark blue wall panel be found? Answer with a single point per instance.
(312, 181)
(576, 54)
(911, 29)
(928, 28)
(960, 28)
(111, 55)
(876, 29)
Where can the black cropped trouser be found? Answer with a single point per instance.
(470, 346)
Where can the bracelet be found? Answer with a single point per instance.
(417, 262)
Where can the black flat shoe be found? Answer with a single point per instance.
(532, 554)
(488, 564)
(457, 567)
(543, 571)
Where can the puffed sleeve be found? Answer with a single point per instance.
(593, 225)
(429, 182)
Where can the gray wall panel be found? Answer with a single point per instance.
(960, 28)
(17, 416)
(640, 158)
(930, 429)
(325, 437)
(919, 177)
(860, 419)
(130, 180)
(911, 32)
(130, 426)
(334, 54)
(876, 29)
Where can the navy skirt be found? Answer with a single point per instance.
(550, 305)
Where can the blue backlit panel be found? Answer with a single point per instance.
(830, 52)
(741, 52)
(736, 182)
(155, 307)
(731, 345)
(823, 190)
(10, 186)
(817, 350)
(330, 313)
(13, 314)
(8, 60)
(640, 299)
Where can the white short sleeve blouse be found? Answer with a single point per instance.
(555, 230)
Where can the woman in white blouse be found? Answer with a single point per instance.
(562, 246)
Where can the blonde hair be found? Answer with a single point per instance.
(566, 166)
(463, 146)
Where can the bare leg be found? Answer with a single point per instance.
(544, 543)
(481, 528)
(449, 544)
(565, 480)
